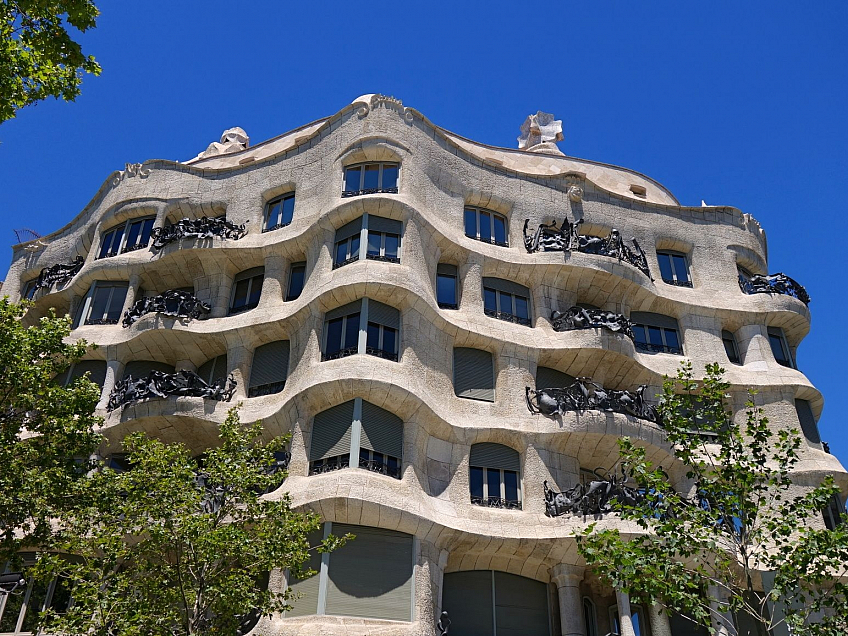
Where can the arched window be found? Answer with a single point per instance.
(96, 370)
(547, 378)
(270, 368)
(103, 303)
(494, 476)
(779, 347)
(447, 295)
(590, 617)
(371, 178)
(487, 226)
(214, 370)
(356, 433)
(142, 368)
(279, 212)
(505, 300)
(730, 348)
(674, 268)
(473, 374)
(379, 322)
(247, 289)
(126, 237)
(655, 333)
(380, 235)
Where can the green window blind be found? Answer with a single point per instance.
(490, 455)
(473, 374)
(213, 370)
(349, 229)
(307, 604)
(331, 432)
(547, 378)
(270, 364)
(382, 431)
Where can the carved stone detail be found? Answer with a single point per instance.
(582, 318)
(538, 129)
(203, 228)
(130, 170)
(565, 238)
(161, 385)
(232, 140)
(585, 395)
(179, 304)
(774, 284)
(59, 274)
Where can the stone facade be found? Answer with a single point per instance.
(440, 175)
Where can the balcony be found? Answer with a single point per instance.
(773, 284)
(585, 395)
(157, 384)
(174, 303)
(502, 315)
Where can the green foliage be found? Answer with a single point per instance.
(38, 58)
(742, 515)
(159, 553)
(46, 430)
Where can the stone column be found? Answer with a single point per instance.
(721, 618)
(430, 577)
(132, 295)
(237, 359)
(660, 625)
(625, 619)
(567, 579)
(274, 282)
(114, 370)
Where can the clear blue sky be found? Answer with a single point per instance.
(737, 103)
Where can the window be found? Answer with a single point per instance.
(779, 347)
(270, 368)
(473, 374)
(589, 617)
(343, 326)
(127, 237)
(29, 289)
(834, 514)
(807, 420)
(279, 212)
(493, 476)
(297, 276)
(637, 617)
(214, 370)
(495, 604)
(96, 370)
(370, 577)
(356, 433)
(730, 347)
(381, 236)
(446, 290)
(486, 226)
(505, 300)
(247, 288)
(19, 611)
(103, 304)
(655, 333)
(370, 178)
(674, 269)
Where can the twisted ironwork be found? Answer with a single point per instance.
(161, 385)
(176, 303)
(582, 318)
(58, 274)
(585, 395)
(593, 498)
(774, 284)
(204, 227)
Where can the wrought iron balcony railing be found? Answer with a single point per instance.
(161, 385)
(582, 318)
(58, 274)
(380, 353)
(266, 389)
(348, 261)
(496, 502)
(648, 347)
(502, 315)
(341, 353)
(492, 241)
(356, 193)
(585, 395)
(204, 227)
(380, 467)
(384, 259)
(329, 465)
(175, 303)
(774, 284)
(677, 283)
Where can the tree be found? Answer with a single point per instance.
(38, 58)
(743, 515)
(47, 431)
(172, 548)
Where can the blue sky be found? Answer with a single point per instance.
(740, 103)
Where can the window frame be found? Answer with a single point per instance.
(379, 189)
(381, 254)
(455, 304)
(29, 289)
(380, 351)
(342, 352)
(672, 257)
(778, 333)
(251, 278)
(508, 316)
(728, 337)
(350, 257)
(635, 610)
(492, 215)
(88, 303)
(590, 616)
(281, 222)
(651, 347)
(487, 501)
(300, 265)
(125, 232)
(24, 609)
(366, 317)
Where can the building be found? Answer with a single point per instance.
(395, 295)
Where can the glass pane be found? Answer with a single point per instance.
(505, 302)
(364, 455)
(776, 343)
(334, 336)
(146, 231)
(389, 338)
(341, 252)
(392, 465)
(639, 334)
(665, 266)
(471, 223)
(34, 605)
(485, 227)
(116, 303)
(671, 338)
(133, 234)
(490, 302)
(374, 241)
(354, 246)
(522, 307)
(681, 269)
(296, 282)
(476, 480)
(493, 479)
(392, 243)
(352, 331)
(510, 485)
(273, 216)
(373, 341)
(390, 176)
(378, 461)
(500, 228)
(730, 349)
(240, 295)
(446, 289)
(255, 290)
(106, 244)
(99, 304)
(352, 176)
(14, 603)
(637, 623)
(372, 176)
(288, 210)
(655, 335)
